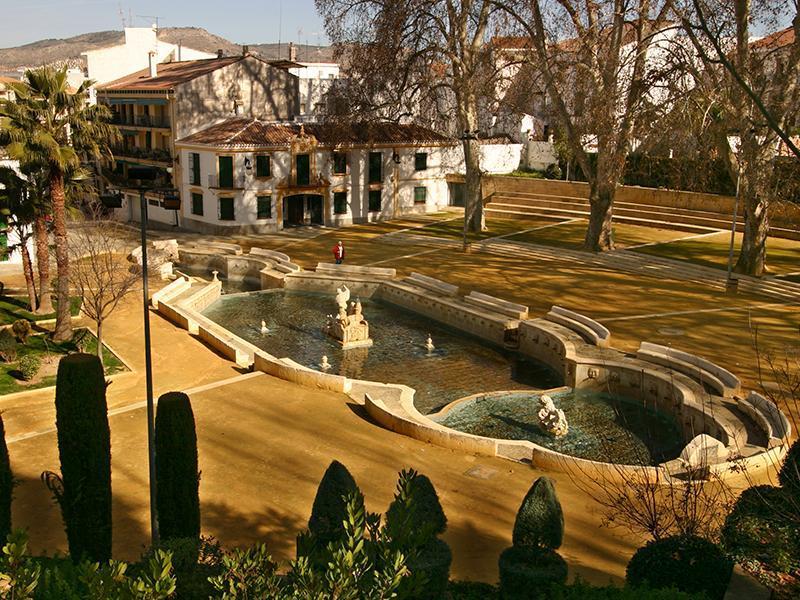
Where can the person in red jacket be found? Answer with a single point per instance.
(338, 253)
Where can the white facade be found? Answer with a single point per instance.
(107, 64)
(315, 80)
(11, 262)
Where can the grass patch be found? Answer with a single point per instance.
(13, 308)
(50, 353)
(526, 174)
(783, 256)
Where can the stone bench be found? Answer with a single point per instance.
(355, 270)
(210, 245)
(172, 290)
(504, 307)
(595, 333)
(768, 416)
(721, 380)
(431, 284)
(282, 261)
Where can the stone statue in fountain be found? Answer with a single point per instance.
(348, 326)
(552, 419)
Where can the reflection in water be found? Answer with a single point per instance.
(459, 366)
(601, 426)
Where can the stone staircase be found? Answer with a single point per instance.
(519, 204)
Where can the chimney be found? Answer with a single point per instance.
(245, 50)
(180, 46)
(220, 53)
(153, 64)
(292, 52)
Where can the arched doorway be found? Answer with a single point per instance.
(303, 209)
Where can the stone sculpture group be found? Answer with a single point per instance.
(552, 419)
(348, 326)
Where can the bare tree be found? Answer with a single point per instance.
(100, 272)
(753, 93)
(596, 65)
(424, 59)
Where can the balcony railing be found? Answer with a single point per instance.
(151, 121)
(232, 183)
(154, 154)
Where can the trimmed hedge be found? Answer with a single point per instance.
(330, 504)
(426, 509)
(527, 573)
(177, 477)
(789, 475)
(540, 520)
(687, 563)
(84, 447)
(29, 366)
(6, 486)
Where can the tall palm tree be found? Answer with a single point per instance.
(50, 124)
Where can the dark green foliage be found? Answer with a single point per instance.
(580, 590)
(757, 529)
(6, 486)
(29, 366)
(432, 562)
(425, 512)
(8, 345)
(688, 563)
(471, 590)
(330, 505)
(178, 480)
(540, 521)
(84, 446)
(22, 330)
(527, 573)
(789, 475)
(194, 563)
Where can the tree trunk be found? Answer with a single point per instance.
(474, 205)
(63, 330)
(599, 236)
(45, 305)
(27, 269)
(753, 255)
(100, 341)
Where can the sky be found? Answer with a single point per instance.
(240, 21)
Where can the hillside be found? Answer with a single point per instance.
(69, 50)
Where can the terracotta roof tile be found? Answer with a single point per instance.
(246, 132)
(773, 41)
(169, 74)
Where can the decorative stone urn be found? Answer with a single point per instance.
(348, 326)
(552, 419)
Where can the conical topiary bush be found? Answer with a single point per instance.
(177, 476)
(789, 475)
(330, 505)
(6, 486)
(530, 567)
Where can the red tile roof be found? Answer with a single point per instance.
(169, 74)
(775, 40)
(246, 132)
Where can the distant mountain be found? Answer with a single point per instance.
(61, 51)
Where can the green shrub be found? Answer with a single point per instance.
(471, 590)
(424, 512)
(22, 330)
(8, 345)
(29, 366)
(432, 563)
(687, 563)
(84, 488)
(540, 520)
(177, 477)
(580, 590)
(789, 475)
(757, 529)
(527, 573)
(195, 562)
(6, 486)
(330, 505)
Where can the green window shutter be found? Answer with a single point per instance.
(262, 165)
(197, 204)
(226, 171)
(420, 161)
(340, 203)
(264, 207)
(375, 167)
(195, 169)
(339, 163)
(226, 211)
(374, 200)
(420, 195)
(303, 169)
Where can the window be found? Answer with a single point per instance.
(340, 203)
(226, 212)
(226, 171)
(420, 195)
(420, 161)
(375, 167)
(197, 204)
(303, 165)
(339, 163)
(374, 200)
(194, 168)
(152, 202)
(264, 207)
(262, 165)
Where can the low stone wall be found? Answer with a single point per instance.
(285, 368)
(171, 290)
(244, 267)
(310, 281)
(202, 260)
(203, 298)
